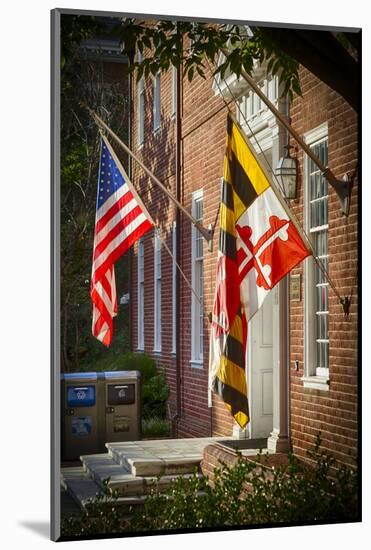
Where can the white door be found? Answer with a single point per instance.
(260, 369)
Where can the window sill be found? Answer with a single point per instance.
(316, 382)
(157, 352)
(140, 146)
(156, 131)
(197, 363)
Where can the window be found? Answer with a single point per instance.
(173, 346)
(141, 295)
(140, 107)
(272, 88)
(173, 90)
(156, 101)
(157, 289)
(197, 283)
(250, 104)
(316, 285)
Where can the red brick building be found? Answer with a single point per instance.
(302, 352)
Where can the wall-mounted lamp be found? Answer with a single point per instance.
(286, 173)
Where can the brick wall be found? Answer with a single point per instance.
(203, 138)
(158, 154)
(332, 412)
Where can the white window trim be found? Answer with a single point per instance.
(311, 380)
(140, 108)
(173, 341)
(196, 362)
(173, 90)
(140, 335)
(156, 107)
(157, 296)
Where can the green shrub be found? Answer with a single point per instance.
(154, 395)
(141, 362)
(245, 494)
(101, 516)
(155, 426)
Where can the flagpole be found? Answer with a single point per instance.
(303, 235)
(140, 202)
(205, 233)
(341, 187)
(345, 301)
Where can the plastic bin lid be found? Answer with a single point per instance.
(79, 376)
(121, 374)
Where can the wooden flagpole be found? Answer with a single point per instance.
(290, 215)
(345, 301)
(341, 187)
(205, 233)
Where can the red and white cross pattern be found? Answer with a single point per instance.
(268, 247)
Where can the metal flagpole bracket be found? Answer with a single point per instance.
(343, 189)
(210, 232)
(345, 302)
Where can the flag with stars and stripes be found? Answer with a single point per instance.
(258, 245)
(121, 219)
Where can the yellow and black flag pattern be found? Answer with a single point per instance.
(258, 245)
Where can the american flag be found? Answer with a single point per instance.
(121, 219)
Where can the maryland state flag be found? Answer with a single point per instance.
(258, 245)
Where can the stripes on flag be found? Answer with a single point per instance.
(120, 220)
(258, 245)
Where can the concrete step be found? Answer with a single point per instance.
(100, 467)
(121, 481)
(157, 458)
(79, 485)
(83, 489)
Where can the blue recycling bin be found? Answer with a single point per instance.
(80, 415)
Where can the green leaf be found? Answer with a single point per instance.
(190, 73)
(200, 72)
(147, 42)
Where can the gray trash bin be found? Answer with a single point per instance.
(80, 402)
(122, 405)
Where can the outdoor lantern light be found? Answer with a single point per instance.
(286, 174)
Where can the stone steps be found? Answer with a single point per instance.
(133, 469)
(120, 480)
(154, 458)
(83, 489)
(79, 485)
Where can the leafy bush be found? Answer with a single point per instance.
(155, 426)
(154, 395)
(247, 494)
(101, 516)
(139, 361)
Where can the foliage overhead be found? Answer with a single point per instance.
(194, 45)
(164, 45)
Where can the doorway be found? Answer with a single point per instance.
(260, 354)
